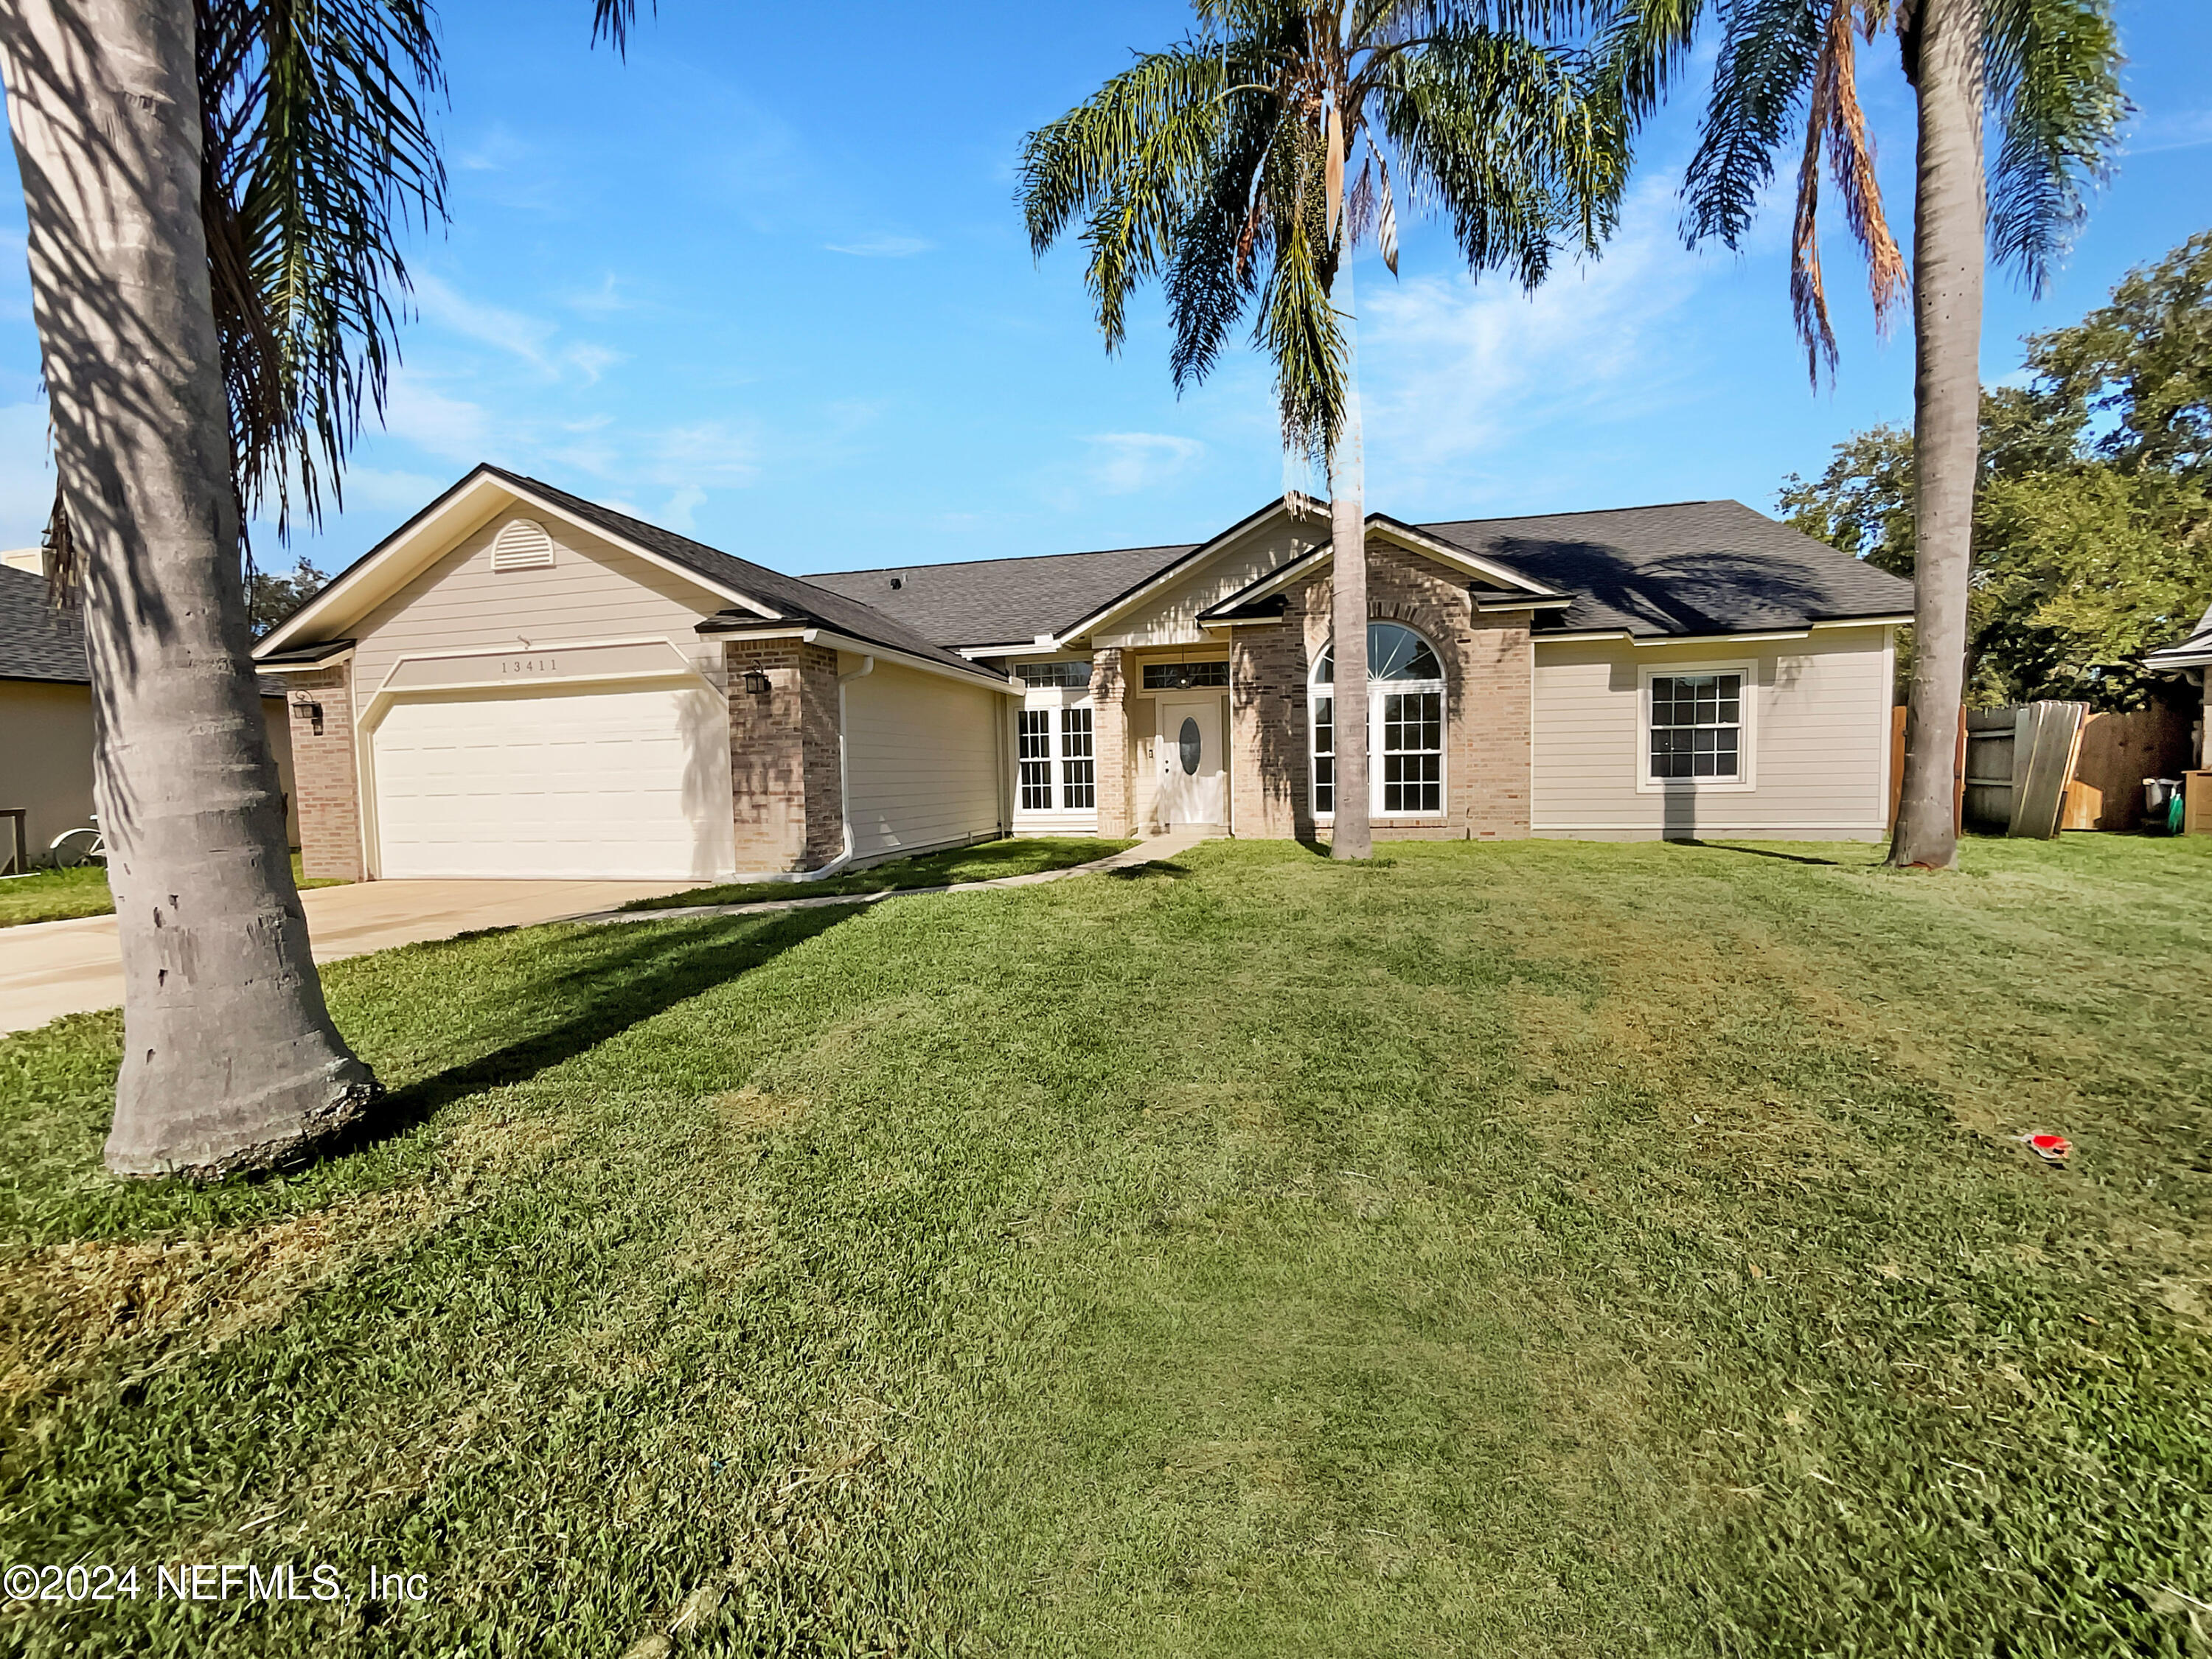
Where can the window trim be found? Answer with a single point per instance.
(1053, 702)
(1747, 778)
(1316, 688)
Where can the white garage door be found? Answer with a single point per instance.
(601, 785)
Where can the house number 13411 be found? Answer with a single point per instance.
(528, 666)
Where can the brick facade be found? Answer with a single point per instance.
(326, 773)
(786, 802)
(1489, 673)
(1110, 695)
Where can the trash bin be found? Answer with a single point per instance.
(2160, 795)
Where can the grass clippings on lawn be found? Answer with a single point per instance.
(64, 895)
(987, 861)
(1542, 1248)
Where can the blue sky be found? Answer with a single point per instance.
(765, 283)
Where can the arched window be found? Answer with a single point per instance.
(1404, 725)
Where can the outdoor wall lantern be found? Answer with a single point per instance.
(313, 712)
(756, 683)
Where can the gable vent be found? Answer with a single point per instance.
(522, 544)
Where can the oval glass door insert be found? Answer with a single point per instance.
(1187, 739)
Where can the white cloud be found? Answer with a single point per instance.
(452, 429)
(492, 326)
(882, 247)
(604, 298)
(2184, 130)
(1453, 371)
(675, 512)
(1123, 463)
(709, 453)
(591, 360)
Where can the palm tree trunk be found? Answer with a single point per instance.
(1946, 305)
(230, 1059)
(1353, 835)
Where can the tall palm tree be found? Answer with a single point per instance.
(216, 190)
(2045, 74)
(1220, 166)
(213, 191)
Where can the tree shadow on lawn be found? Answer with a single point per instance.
(655, 968)
(1748, 852)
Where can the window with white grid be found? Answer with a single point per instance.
(1034, 758)
(1078, 767)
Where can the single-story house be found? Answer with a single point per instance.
(2190, 660)
(518, 682)
(46, 714)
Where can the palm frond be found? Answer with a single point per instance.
(318, 153)
(612, 20)
(1134, 156)
(1298, 326)
(2053, 69)
(1769, 52)
(1220, 246)
(1514, 140)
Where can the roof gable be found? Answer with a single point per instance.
(752, 593)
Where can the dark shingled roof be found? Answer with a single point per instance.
(799, 601)
(1004, 601)
(1690, 567)
(1687, 567)
(37, 642)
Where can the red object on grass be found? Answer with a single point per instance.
(2054, 1147)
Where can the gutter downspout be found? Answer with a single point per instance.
(844, 777)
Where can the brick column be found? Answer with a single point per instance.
(1492, 735)
(785, 801)
(325, 773)
(1268, 737)
(1110, 726)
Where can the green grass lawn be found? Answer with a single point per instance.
(1527, 1249)
(59, 895)
(984, 862)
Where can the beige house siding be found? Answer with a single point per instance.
(1819, 743)
(593, 590)
(1170, 615)
(45, 759)
(923, 755)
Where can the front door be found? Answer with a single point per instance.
(1193, 787)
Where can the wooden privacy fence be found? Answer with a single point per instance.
(2101, 789)
(2119, 751)
(2019, 762)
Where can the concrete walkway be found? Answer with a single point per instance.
(49, 968)
(1157, 850)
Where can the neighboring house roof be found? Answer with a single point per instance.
(2194, 652)
(1688, 567)
(38, 639)
(1004, 601)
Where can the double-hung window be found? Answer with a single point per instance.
(1034, 759)
(1695, 727)
(1056, 742)
(1078, 767)
(1404, 730)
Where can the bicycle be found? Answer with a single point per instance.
(74, 847)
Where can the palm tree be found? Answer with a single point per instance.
(214, 190)
(2045, 74)
(1220, 166)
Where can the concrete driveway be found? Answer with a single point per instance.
(49, 968)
